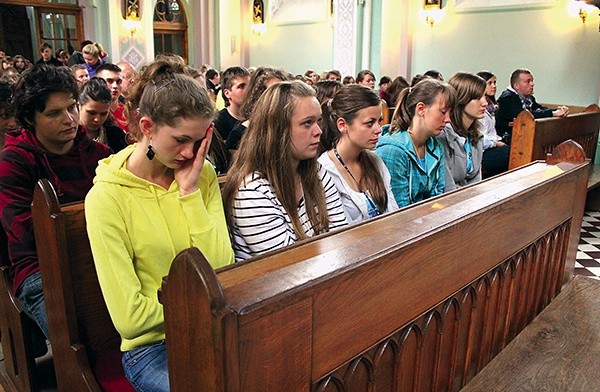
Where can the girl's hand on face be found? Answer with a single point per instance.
(188, 174)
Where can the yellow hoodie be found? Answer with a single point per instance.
(136, 228)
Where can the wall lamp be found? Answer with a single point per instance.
(432, 12)
(584, 7)
(131, 14)
(258, 25)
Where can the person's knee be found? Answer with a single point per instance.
(31, 297)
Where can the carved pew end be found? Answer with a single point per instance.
(567, 151)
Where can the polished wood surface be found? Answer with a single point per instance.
(533, 139)
(21, 338)
(82, 335)
(18, 372)
(575, 109)
(420, 299)
(558, 351)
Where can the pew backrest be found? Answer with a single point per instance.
(84, 341)
(573, 109)
(532, 139)
(16, 333)
(420, 299)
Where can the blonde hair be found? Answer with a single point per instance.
(93, 50)
(266, 149)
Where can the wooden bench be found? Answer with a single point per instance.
(22, 340)
(558, 351)
(84, 341)
(421, 299)
(532, 139)
(573, 109)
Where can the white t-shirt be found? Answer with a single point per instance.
(355, 203)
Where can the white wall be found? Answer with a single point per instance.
(562, 52)
(230, 34)
(294, 48)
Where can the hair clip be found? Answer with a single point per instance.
(329, 102)
(164, 84)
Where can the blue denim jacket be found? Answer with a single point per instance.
(410, 181)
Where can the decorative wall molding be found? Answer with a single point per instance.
(344, 36)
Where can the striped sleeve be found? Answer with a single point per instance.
(261, 223)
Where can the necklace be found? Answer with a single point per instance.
(371, 204)
(415, 146)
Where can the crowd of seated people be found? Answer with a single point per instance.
(304, 155)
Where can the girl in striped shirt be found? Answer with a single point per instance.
(277, 193)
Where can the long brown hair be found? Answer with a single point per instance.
(267, 151)
(257, 85)
(345, 104)
(425, 91)
(468, 87)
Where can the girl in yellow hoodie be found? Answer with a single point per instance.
(149, 202)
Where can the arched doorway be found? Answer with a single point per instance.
(170, 29)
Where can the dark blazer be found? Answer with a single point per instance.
(509, 106)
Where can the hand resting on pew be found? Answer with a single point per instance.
(561, 111)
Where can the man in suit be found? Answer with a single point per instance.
(518, 97)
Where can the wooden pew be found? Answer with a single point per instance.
(385, 113)
(532, 139)
(84, 341)
(573, 109)
(558, 351)
(22, 340)
(421, 299)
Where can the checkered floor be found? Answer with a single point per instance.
(588, 252)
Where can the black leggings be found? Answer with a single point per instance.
(495, 160)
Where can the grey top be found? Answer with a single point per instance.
(456, 159)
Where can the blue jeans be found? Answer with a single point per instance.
(31, 297)
(146, 367)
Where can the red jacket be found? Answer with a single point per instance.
(23, 162)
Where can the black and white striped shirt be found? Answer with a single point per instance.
(261, 224)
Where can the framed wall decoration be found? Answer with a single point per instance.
(283, 12)
(432, 4)
(468, 5)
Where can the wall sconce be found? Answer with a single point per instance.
(258, 25)
(432, 12)
(429, 20)
(131, 14)
(432, 17)
(582, 14)
(583, 8)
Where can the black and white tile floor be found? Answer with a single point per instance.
(588, 253)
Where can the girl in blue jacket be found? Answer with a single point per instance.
(410, 150)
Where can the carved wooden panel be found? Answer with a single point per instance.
(586, 141)
(444, 348)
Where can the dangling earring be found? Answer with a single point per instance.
(150, 153)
